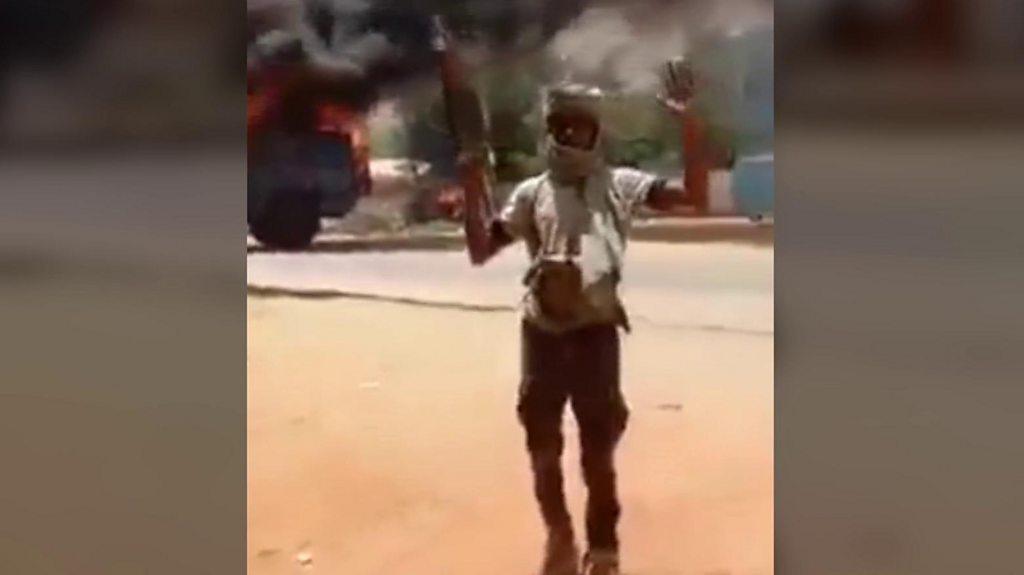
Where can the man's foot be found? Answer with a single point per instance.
(600, 562)
(561, 557)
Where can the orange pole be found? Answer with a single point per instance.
(696, 164)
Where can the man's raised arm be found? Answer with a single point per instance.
(692, 189)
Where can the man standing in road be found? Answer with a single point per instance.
(575, 220)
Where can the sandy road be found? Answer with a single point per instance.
(382, 440)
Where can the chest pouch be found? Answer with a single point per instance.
(557, 287)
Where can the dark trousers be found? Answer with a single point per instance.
(580, 367)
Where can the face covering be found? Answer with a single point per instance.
(568, 164)
(565, 163)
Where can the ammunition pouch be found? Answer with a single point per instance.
(557, 287)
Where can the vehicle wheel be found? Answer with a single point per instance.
(288, 220)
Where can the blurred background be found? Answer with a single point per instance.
(122, 185)
(82, 72)
(901, 61)
(898, 132)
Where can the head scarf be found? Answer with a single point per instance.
(567, 163)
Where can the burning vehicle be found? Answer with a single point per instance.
(316, 67)
(308, 151)
(311, 89)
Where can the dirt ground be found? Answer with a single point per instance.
(382, 440)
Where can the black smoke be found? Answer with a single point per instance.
(377, 44)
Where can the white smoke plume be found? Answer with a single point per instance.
(622, 46)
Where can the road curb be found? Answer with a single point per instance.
(674, 230)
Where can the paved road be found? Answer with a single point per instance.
(702, 286)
